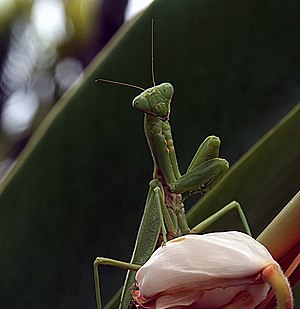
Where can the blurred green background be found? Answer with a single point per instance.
(77, 190)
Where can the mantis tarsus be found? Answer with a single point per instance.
(164, 215)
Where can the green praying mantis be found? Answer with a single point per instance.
(164, 213)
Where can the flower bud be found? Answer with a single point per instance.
(207, 271)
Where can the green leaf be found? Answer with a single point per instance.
(79, 187)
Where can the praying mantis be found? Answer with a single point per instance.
(164, 214)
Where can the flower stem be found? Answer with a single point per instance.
(279, 283)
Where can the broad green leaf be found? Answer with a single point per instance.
(79, 187)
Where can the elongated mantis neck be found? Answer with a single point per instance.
(152, 125)
(158, 134)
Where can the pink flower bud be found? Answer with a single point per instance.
(216, 270)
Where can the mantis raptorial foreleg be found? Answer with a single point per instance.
(202, 177)
(209, 149)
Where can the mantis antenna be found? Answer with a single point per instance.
(152, 67)
(152, 51)
(118, 83)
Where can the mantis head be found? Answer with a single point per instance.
(155, 101)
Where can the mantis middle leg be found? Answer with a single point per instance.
(213, 218)
(105, 261)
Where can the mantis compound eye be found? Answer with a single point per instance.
(166, 90)
(140, 103)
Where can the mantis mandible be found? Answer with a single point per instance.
(164, 214)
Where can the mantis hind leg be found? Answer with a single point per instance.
(105, 261)
(156, 219)
(231, 206)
